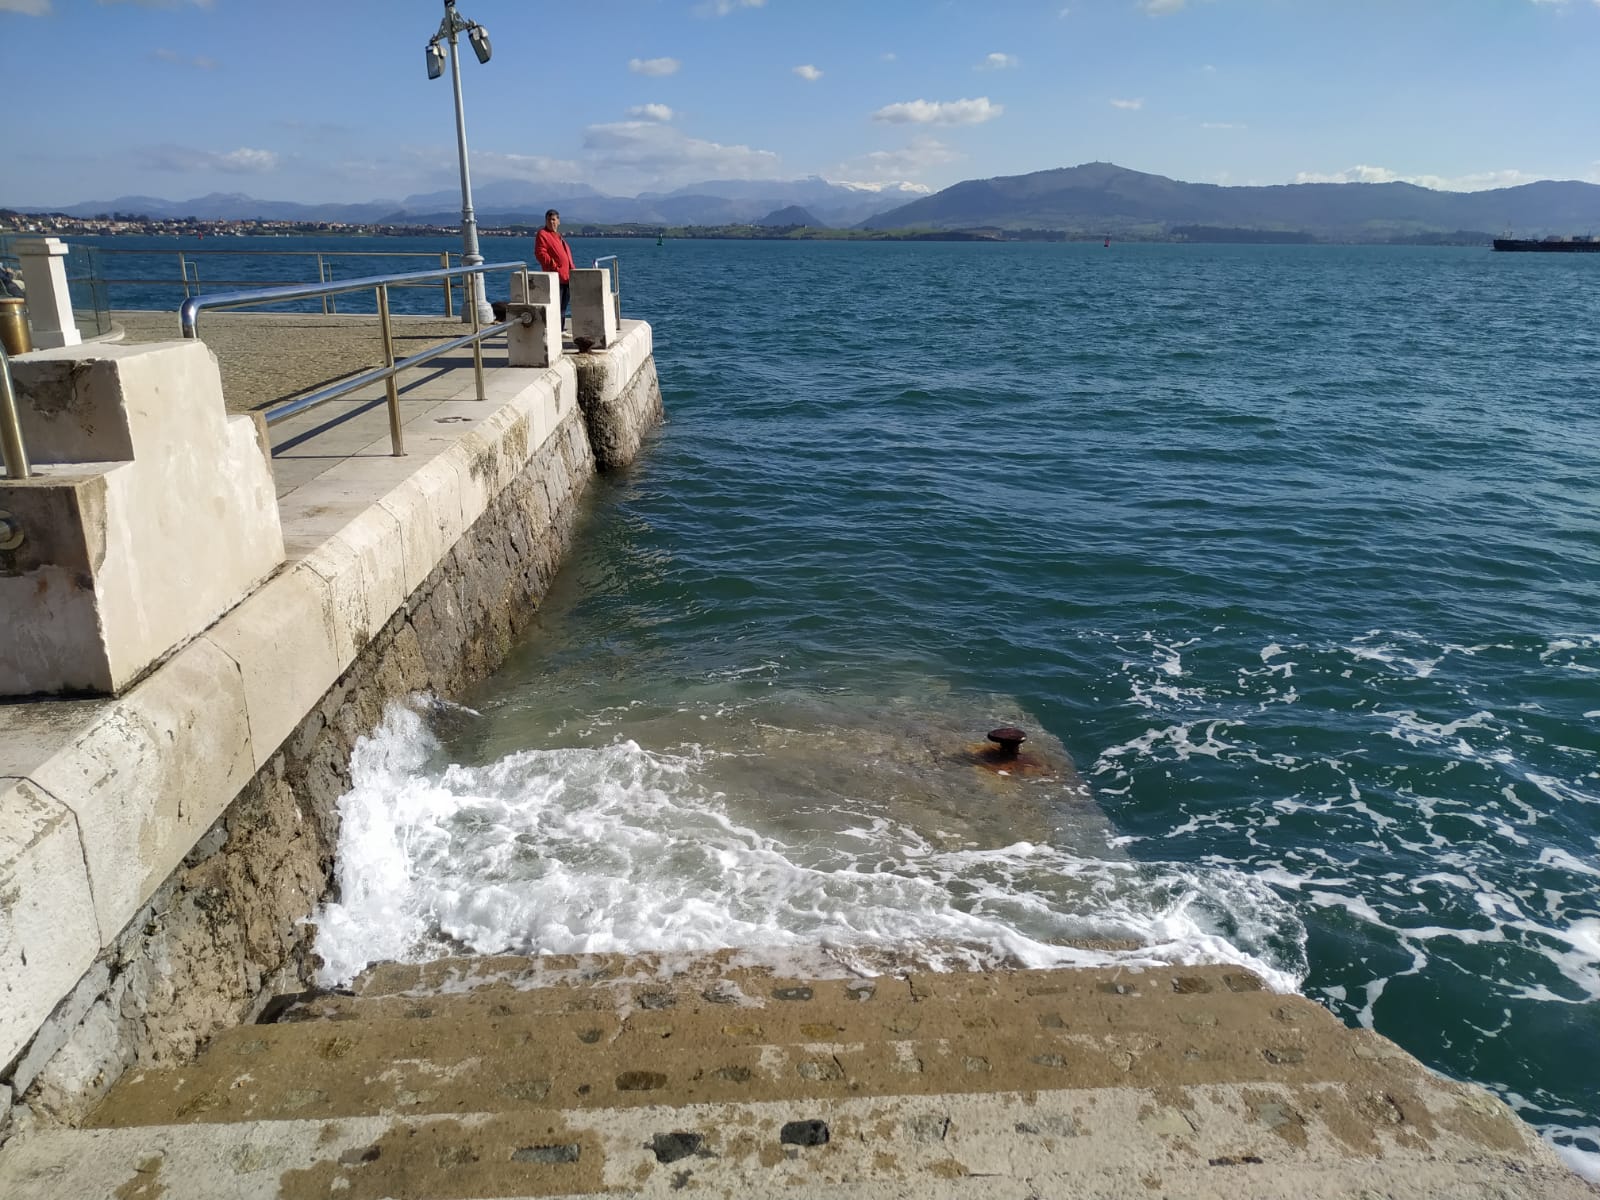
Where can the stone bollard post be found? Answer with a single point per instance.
(44, 274)
(594, 311)
(534, 339)
(544, 287)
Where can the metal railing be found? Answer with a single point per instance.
(189, 315)
(189, 261)
(616, 281)
(16, 454)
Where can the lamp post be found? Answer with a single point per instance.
(452, 25)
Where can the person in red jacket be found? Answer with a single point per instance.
(553, 253)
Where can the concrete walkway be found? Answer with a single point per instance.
(646, 1076)
(333, 461)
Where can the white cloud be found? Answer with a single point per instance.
(536, 167)
(654, 66)
(649, 153)
(1131, 105)
(721, 8)
(1474, 182)
(28, 8)
(807, 72)
(1065, 12)
(172, 56)
(878, 186)
(923, 154)
(1159, 7)
(998, 62)
(1223, 125)
(650, 112)
(186, 160)
(888, 56)
(939, 112)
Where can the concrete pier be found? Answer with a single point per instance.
(160, 849)
(649, 1076)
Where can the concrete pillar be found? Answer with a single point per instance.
(150, 513)
(534, 339)
(594, 310)
(544, 287)
(44, 274)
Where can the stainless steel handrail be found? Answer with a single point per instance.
(189, 270)
(190, 310)
(471, 277)
(16, 454)
(616, 281)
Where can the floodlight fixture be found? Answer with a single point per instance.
(450, 29)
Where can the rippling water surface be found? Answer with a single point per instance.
(1294, 551)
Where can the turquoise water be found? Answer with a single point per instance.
(1294, 550)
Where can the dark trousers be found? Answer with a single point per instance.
(566, 297)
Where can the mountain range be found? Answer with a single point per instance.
(511, 202)
(1103, 197)
(1090, 199)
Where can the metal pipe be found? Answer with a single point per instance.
(469, 221)
(391, 389)
(477, 342)
(449, 292)
(16, 454)
(189, 313)
(322, 277)
(183, 270)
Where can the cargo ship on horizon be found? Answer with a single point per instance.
(1550, 244)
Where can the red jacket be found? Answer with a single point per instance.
(553, 253)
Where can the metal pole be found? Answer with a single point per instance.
(322, 277)
(449, 293)
(10, 428)
(183, 269)
(396, 438)
(477, 342)
(469, 222)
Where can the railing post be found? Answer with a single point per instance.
(391, 387)
(16, 453)
(183, 272)
(477, 344)
(322, 278)
(449, 293)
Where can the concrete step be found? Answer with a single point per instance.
(643, 1076)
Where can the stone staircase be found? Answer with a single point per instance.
(500, 1077)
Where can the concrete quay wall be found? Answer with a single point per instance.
(161, 851)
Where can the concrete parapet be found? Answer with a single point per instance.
(150, 514)
(594, 308)
(543, 287)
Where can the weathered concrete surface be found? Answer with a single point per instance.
(502, 1078)
(621, 400)
(160, 852)
(150, 515)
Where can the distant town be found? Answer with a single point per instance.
(126, 224)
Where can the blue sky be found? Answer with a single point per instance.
(330, 101)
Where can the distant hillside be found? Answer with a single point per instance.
(1105, 198)
(794, 215)
(519, 202)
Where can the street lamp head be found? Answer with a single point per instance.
(479, 37)
(435, 60)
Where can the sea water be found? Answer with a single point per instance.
(1288, 559)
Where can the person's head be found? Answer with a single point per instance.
(552, 220)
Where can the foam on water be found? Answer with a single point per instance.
(617, 848)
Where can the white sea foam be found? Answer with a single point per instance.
(621, 849)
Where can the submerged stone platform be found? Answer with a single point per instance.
(648, 1076)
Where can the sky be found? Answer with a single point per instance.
(329, 100)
